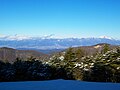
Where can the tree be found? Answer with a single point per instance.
(69, 55)
(79, 53)
(105, 48)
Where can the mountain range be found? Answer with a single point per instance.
(49, 43)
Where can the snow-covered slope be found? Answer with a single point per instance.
(58, 85)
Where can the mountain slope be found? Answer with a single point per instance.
(91, 50)
(10, 54)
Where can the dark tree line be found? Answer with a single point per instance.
(30, 70)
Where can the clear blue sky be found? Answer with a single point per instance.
(66, 18)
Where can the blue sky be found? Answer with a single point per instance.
(63, 18)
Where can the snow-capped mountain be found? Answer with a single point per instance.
(23, 37)
(48, 42)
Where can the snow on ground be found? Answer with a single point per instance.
(58, 85)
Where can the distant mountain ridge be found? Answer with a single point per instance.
(48, 43)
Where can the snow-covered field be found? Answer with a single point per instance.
(58, 85)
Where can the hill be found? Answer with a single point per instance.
(10, 54)
(90, 50)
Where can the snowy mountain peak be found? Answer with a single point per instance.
(51, 36)
(105, 37)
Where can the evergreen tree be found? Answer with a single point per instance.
(105, 48)
(79, 53)
(69, 55)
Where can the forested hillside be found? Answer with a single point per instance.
(72, 64)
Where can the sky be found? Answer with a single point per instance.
(61, 18)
